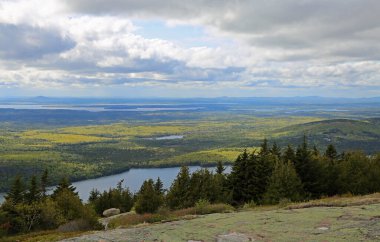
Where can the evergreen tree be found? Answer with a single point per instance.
(264, 148)
(253, 184)
(64, 184)
(44, 182)
(289, 155)
(315, 151)
(263, 173)
(237, 178)
(94, 195)
(250, 175)
(284, 184)
(34, 193)
(220, 168)
(355, 173)
(177, 196)
(17, 192)
(159, 187)
(147, 201)
(308, 170)
(276, 150)
(118, 197)
(222, 193)
(202, 187)
(331, 152)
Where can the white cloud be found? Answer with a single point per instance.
(272, 44)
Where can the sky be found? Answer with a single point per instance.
(198, 48)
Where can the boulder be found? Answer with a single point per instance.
(111, 212)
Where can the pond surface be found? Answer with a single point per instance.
(133, 179)
(168, 137)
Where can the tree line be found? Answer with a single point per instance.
(267, 175)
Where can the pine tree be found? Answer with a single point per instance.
(315, 151)
(159, 186)
(17, 192)
(94, 195)
(252, 184)
(44, 182)
(147, 201)
(331, 152)
(64, 184)
(284, 184)
(263, 173)
(202, 187)
(237, 178)
(308, 170)
(289, 155)
(177, 196)
(276, 150)
(264, 148)
(220, 168)
(222, 193)
(34, 193)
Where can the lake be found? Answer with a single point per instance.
(133, 179)
(168, 137)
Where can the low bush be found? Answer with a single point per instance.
(75, 225)
(250, 205)
(163, 214)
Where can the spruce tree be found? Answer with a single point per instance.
(220, 168)
(276, 150)
(263, 173)
(222, 193)
(202, 187)
(289, 155)
(331, 152)
(34, 193)
(315, 151)
(264, 148)
(177, 196)
(64, 184)
(148, 200)
(17, 192)
(237, 178)
(159, 186)
(308, 170)
(44, 182)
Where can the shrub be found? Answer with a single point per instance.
(201, 206)
(133, 219)
(204, 207)
(250, 205)
(75, 225)
(51, 217)
(284, 202)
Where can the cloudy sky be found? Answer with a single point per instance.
(171, 48)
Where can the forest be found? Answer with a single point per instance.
(88, 151)
(268, 174)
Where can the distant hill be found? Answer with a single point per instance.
(344, 133)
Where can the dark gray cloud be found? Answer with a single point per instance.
(27, 42)
(328, 25)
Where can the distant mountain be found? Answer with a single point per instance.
(345, 134)
(236, 100)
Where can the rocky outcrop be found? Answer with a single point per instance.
(111, 212)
